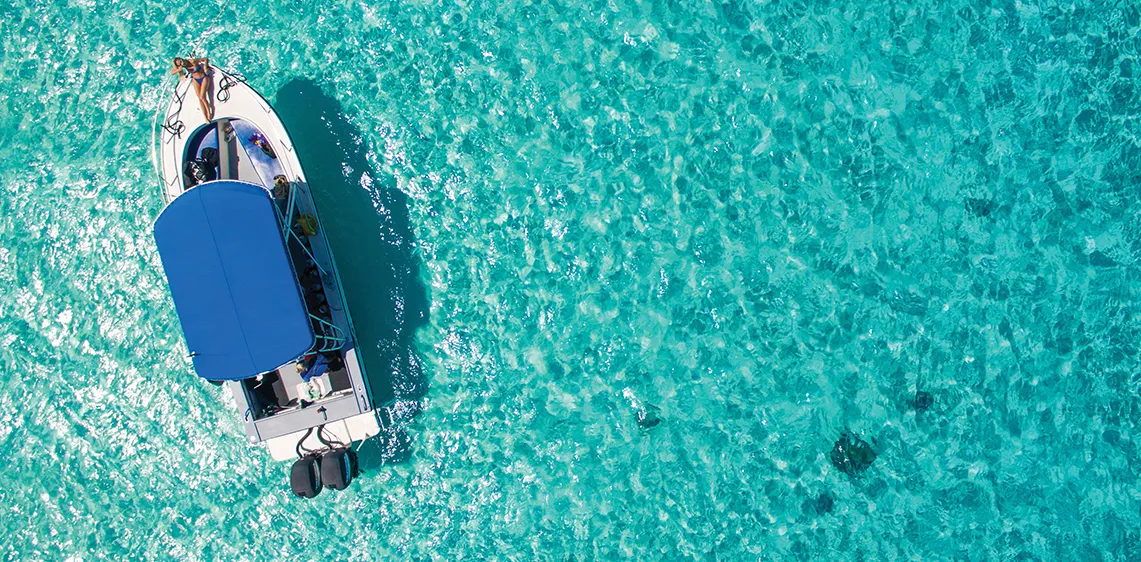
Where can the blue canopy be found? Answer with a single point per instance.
(232, 281)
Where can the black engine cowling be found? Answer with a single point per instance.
(338, 467)
(305, 477)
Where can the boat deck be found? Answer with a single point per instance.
(274, 404)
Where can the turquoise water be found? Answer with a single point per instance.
(771, 221)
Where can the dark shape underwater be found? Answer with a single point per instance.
(923, 400)
(648, 417)
(823, 503)
(852, 455)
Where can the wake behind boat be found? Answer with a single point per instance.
(254, 282)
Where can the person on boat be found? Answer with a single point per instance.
(198, 69)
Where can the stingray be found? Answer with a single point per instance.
(851, 454)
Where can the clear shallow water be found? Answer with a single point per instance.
(771, 221)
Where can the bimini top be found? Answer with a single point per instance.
(233, 284)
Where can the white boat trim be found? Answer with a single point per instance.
(347, 414)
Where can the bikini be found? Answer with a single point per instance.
(199, 68)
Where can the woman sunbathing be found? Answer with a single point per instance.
(199, 70)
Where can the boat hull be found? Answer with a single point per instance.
(251, 144)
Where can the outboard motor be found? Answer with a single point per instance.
(305, 477)
(338, 467)
(333, 466)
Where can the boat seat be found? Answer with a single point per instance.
(270, 391)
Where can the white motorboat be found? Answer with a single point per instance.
(255, 285)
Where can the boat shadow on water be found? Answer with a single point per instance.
(367, 222)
